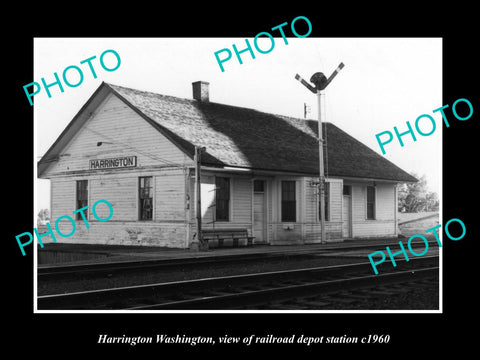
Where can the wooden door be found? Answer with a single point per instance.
(259, 213)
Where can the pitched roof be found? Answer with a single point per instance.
(241, 137)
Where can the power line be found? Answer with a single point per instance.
(143, 152)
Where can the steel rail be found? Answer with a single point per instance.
(102, 297)
(262, 296)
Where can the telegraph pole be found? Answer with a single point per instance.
(321, 82)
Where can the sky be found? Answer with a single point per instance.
(385, 83)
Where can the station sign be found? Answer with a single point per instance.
(113, 163)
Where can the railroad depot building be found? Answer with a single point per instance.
(259, 172)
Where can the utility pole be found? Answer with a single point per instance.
(198, 243)
(321, 82)
(320, 94)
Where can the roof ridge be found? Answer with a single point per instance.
(113, 86)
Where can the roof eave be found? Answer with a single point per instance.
(247, 169)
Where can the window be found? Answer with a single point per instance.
(370, 203)
(289, 204)
(222, 199)
(258, 186)
(82, 196)
(327, 203)
(145, 198)
(347, 190)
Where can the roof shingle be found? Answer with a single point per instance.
(242, 137)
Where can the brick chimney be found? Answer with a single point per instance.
(200, 91)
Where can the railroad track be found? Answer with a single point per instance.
(242, 291)
(410, 294)
(48, 273)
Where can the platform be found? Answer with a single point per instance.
(62, 253)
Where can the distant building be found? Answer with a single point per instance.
(259, 173)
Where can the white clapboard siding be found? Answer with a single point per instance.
(385, 207)
(63, 201)
(358, 203)
(123, 228)
(240, 202)
(129, 233)
(120, 192)
(241, 192)
(335, 200)
(122, 133)
(294, 233)
(312, 225)
(311, 201)
(384, 223)
(170, 196)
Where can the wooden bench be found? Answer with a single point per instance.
(227, 237)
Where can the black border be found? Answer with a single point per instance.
(78, 333)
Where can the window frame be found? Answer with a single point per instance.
(140, 198)
(291, 203)
(374, 203)
(80, 203)
(255, 188)
(228, 199)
